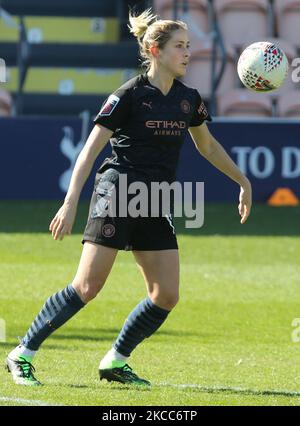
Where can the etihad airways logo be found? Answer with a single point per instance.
(164, 124)
(166, 127)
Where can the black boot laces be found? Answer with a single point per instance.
(27, 368)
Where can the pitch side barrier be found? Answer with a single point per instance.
(38, 156)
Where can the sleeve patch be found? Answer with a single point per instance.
(109, 106)
(202, 110)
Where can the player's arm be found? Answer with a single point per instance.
(63, 220)
(213, 151)
(95, 143)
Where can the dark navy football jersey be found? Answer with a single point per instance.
(149, 127)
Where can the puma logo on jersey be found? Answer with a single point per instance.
(148, 105)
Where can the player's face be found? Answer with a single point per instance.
(175, 54)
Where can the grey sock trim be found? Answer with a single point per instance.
(73, 297)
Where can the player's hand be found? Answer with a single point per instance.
(63, 221)
(245, 201)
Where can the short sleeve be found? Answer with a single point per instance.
(200, 113)
(115, 110)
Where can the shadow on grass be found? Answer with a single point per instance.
(115, 386)
(108, 385)
(219, 219)
(93, 335)
(12, 345)
(8, 345)
(110, 334)
(231, 390)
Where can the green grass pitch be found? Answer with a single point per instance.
(227, 342)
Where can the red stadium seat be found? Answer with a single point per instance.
(244, 103)
(198, 73)
(242, 21)
(288, 20)
(289, 104)
(5, 104)
(196, 19)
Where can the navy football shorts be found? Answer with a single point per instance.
(125, 233)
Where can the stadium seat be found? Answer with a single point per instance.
(244, 103)
(242, 21)
(196, 18)
(8, 33)
(199, 73)
(5, 104)
(288, 18)
(288, 104)
(69, 81)
(66, 29)
(68, 91)
(60, 7)
(73, 48)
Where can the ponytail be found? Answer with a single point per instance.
(140, 23)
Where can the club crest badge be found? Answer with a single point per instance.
(108, 230)
(185, 106)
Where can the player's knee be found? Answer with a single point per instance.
(88, 290)
(171, 302)
(166, 300)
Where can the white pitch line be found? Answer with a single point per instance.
(26, 401)
(216, 389)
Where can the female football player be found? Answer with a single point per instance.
(146, 121)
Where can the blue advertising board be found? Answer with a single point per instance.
(268, 152)
(38, 156)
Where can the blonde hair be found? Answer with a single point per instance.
(151, 31)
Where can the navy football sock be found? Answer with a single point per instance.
(143, 321)
(57, 310)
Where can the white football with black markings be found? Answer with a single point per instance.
(263, 67)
